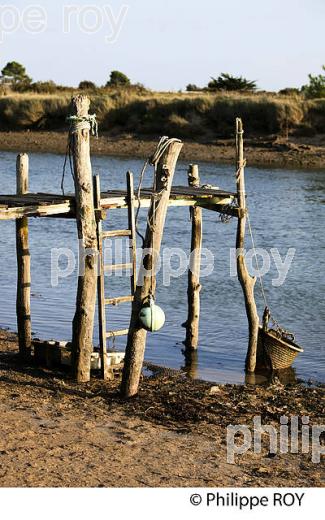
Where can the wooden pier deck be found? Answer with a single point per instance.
(63, 206)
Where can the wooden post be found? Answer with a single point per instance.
(83, 322)
(23, 265)
(104, 368)
(137, 335)
(247, 282)
(132, 228)
(194, 287)
(191, 363)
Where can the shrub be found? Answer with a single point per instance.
(44, 87)
(16, 72)
(191, 87)
(118, 79)
(227, 82)
(289, 91)
(316, 87)
(87, 85)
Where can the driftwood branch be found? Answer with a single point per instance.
(137, 335)
(83, 322)
(247, 282)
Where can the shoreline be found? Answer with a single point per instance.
(269, 152)
(56, 433)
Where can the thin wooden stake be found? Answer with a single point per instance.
(104, 369)
(247, 282)
(194, 287)
(23, 264)
(132, 228)
(137, 335)
(83, 322)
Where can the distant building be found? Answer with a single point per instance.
(6, 80)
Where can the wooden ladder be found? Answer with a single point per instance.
(104, 335)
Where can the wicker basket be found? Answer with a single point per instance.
(278, 353)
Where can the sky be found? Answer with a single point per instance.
(165, 44)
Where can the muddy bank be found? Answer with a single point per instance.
(275, 152)
(57, 433)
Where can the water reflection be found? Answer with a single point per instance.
(285, 377)
(191, 363)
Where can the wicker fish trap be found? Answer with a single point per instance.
(279, 352)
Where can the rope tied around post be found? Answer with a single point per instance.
(77, 124)
(153, 160)
(241, 165)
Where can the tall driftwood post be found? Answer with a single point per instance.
(247, 282)
(194, 287)
(83, 322)
(23, 264)
(157, 213)
(104, 368)
(191, 363)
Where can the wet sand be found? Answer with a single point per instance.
(272, 151)
(55, 432)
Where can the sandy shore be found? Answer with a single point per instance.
(275, 152)
(57, 433)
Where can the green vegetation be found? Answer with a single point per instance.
(16, 72)
(225, 83)
(207, 113)
(192, 115)
(316, 87)
(118, 79)
(87, 85)
(228, 83)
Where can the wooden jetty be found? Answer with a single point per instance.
(89, 206)
(14, 207)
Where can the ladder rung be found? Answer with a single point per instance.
(116, 233)
(117, 267)
(120, 299)
(116, 333)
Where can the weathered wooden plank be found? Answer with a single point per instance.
(48, 205)
(117, 267)
(119, 299)
(117, 333)
(64, 209)
(116, 233)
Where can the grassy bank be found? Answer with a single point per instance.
(200, 116)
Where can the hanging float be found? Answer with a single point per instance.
(151, 316)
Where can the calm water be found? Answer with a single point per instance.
(287, 210)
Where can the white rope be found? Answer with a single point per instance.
(281, 332)
(162, 146)
(79, 123)
(256, 260)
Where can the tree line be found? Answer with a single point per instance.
(15, 74)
